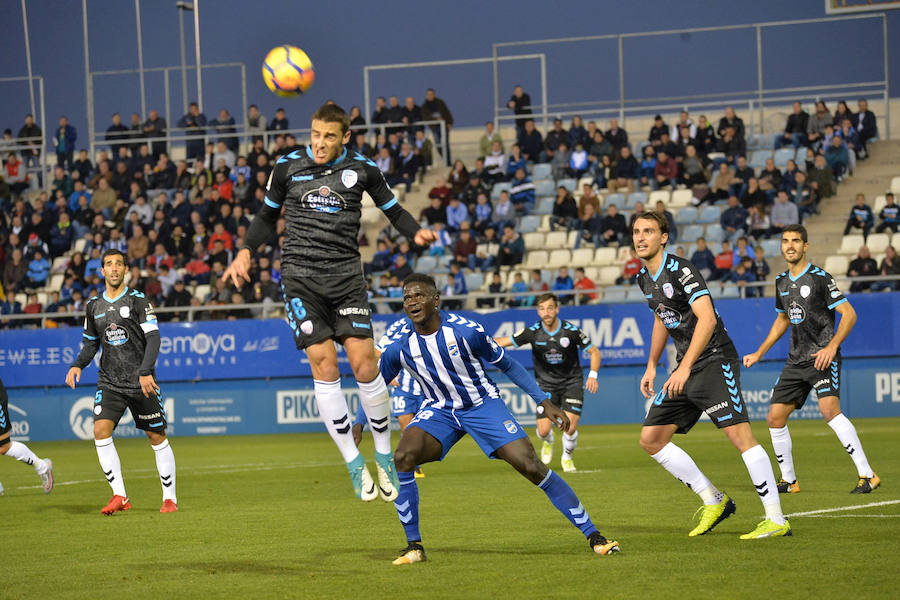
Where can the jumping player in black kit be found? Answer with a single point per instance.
(19, 451)
(556, 346)
(707, 380)
(806, 298)
(122, 322)
(320, 188)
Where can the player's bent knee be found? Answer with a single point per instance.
(5, 445)
(404, 460)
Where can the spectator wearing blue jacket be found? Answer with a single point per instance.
(515, 161)
(861, 217)
(38, 271)
(703, 259)
(80, 191)
(562, 284)
(890, 215)
(94, 264)
(62, 235)
(744, 274)
(456, 214)
(64, 140)
(734, 219)
(837, 157)
(522, 192)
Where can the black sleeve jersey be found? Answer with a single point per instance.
(809, 301)
(670, 293)
(556, 354)
(322, 207)
(118, 326)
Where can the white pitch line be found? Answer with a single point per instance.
(843, 508)
(854, 516)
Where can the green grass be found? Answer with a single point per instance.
(274, 516)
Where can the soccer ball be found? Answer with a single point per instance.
(288, 71)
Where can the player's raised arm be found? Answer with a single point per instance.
(260, 229)
(657, 344)
(399, 217)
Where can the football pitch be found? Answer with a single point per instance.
(274, 517)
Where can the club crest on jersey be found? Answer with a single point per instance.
(510, 426)
(804, 291)
(668, 290)
(564, 342)
(349, 178)
(115, 335)
(323, 199)
(125, 312)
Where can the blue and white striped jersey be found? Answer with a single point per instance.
(408, 386)
(447, 364)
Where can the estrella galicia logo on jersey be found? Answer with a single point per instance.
(553, 357)
(510, 426)
(349, 178)
(323, 199)
(668, 290)
(115, 335)
(796, 313)
(670, 317)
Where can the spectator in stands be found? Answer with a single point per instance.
(693, 168)
(724, 261)
(577, 133)
(30, 149)
(758, 223)
(574, 165)
(520, 104)
(486, 142)
(627, 170)
(753, 195)
(38, 271)
(495, 287)
(760, 268)
(803, 196)
(485, 257)
(280, 122)
(434, 212)
(512, 247)
(194, 123)
(837, 157)
(495, 162)
(784, 213)
(456, 214)
(518, 287)
(584, 284)
(407, 166)
(770, 180)
(617, 136)
(862, 266)
(732, 146)
(591, 225)
(256, 124)
(64, 141)
(62, 235)
(143, 210)
(562, 284)
(648, 166)
(14, 174)
(889, 215)
(663, 212)
(656, 130)
(864, 122)
(536, 285)
(82, 167)
(159, 257)
(742, 249)
(553, 139)
(675, 132)
(795, 129)
(385, 163)
(464, 248)
(475, 188)
(613, 229)
(665, 175)
(734, 219)
(703, 259)
(155, 127)
(458, 178)
(522, 192)
(743, 173)
(705, 137)
(851, 141)
(821, 178)
(379, 115)
(630, 269)
(15, 270)
(504, 211)
(890, 265)
(861, 217)
(224, 125)
(410, 113)
(742, 275)
(815, 128)
(565, 210)
(841, 112)
(731, 120)
(531, 143)
(515, 161)
(178, 296)
(197, 269)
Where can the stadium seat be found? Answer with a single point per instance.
(608, 275)
(534, 240)
(690, 234)
(783, 155)
(582, 257)
(617, 199)
(57, 280)
(22, 299)
(544, 187)
(59, 264)
(657, 195)
(42, 298)
(593, 273)
(709, 214)
(756, 141)
(560, 258)
(877, 242)
(474, 281)
(771, 247)
(536, 259)
(572, 238)
(80, 243)
(689, 250)
(614, 294)
(880, 202)
(545, 224)
(679, 198)
(569, 183)
(556, 239)
(895, 185)
(604, 257)
(713, 233)
(541, 171)
(511, 277)
(499, 187)
(544, 206)
(426, 264)
(529, 223)
(758, 158)
(585, 180)
(202, 291)
(443, 264)
(850, 244)
(634, 198)
(688, 215)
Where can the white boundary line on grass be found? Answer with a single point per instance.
(842, 508)
(856, 516)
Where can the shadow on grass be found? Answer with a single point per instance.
(255, 567)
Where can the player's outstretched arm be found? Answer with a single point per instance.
(503, 341)
(657, 344)
(239, 269)
(778, 329)
(848, 320)
(703, 331)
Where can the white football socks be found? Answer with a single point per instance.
(165, 464)
(782, 445)
(375, 402)
(677, 462)
(763, 478)
(23, 453)
(547, 438)
(112, 467)
(334, 413)
(569, 443)
(846, 433)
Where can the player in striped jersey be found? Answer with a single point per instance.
(445, 354)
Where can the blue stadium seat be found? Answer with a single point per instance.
(772, 247)
(426, 264)
(687, 215)
(544, 187)
(569, 183)
(541, 171)
(709, 214)
(529, 223)
(443, 263)
(499, 187)
(782, 156)
(713, 233)
(690, 234)
(633, 198)
(474, 281)
(544, 206)
(617, 199)
(758, 158)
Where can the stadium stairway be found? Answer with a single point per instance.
(872, 178)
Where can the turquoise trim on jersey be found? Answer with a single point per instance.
(589, 346)
(328, 164)
(558, 327)
(662, 264)
(838, 303)
(111, 300)
(292, 156)
(90, 337)
(270, 203)
(808, 265)
(778, 310)
(389, 203)
(697, 295)
(513, 340)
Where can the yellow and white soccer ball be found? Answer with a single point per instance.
(288, 71)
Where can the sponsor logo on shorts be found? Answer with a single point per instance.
(822, 382)
(155, 415)
(354, 310)
(574, 401)
(510, 426)
(717, 407)
(360, 325)
(115, 335)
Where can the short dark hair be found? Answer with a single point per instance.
(654, 216)
(422, 278)
(799, 229)
(113, 252)
(332, 113)
(546, 296)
